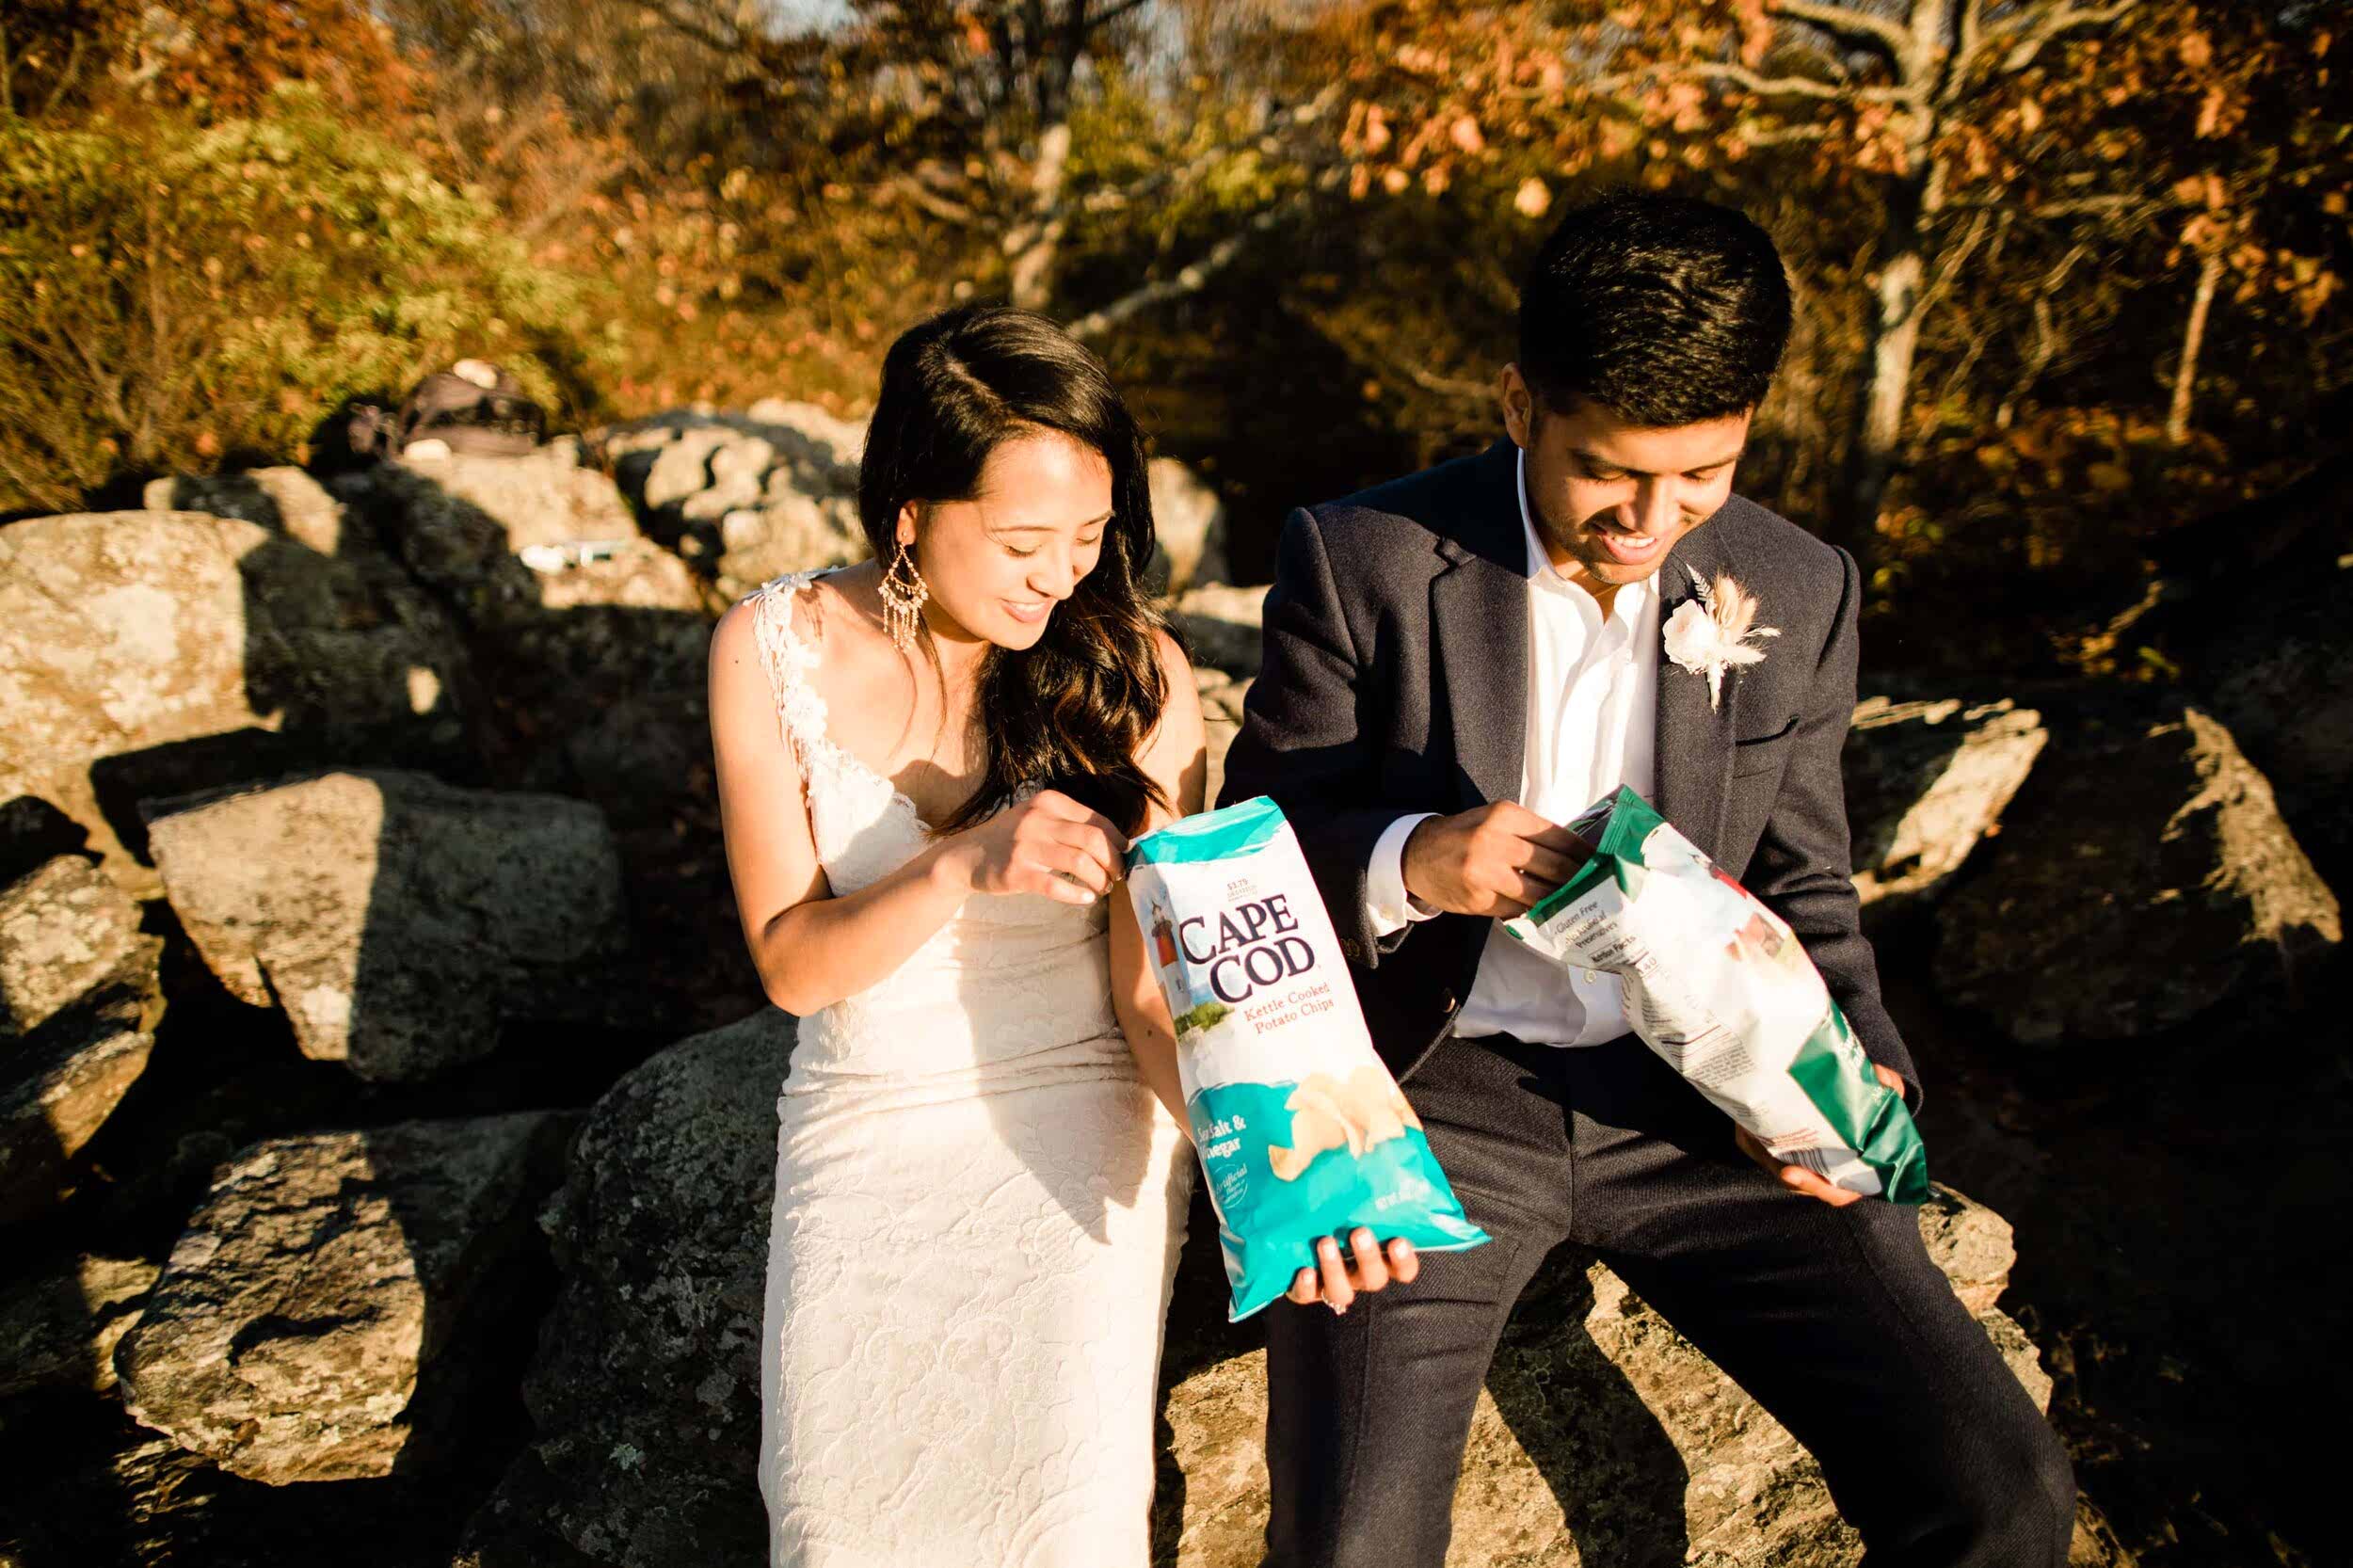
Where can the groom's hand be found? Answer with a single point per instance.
(1497, 861)
(1797, 1178)
(1335, 1281)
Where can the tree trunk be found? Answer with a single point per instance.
(2193, 340)
(1914, 200)
(1879, 425)
(1033, 245)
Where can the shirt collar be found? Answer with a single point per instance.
(1630, 599)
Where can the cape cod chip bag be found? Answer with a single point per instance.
(1720, 988)
(1301, 1130)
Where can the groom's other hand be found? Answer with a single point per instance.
(1797, 1178)
(1336, 1280)
(1497, 861)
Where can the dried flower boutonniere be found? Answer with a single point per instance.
(1715, 632)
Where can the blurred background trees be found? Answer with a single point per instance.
(2068, 269)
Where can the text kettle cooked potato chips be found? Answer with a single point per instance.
(1301, 1130)
(1722, 990)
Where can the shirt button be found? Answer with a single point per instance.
(1588, 976)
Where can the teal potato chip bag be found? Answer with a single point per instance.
(1301, 1130)
(1720, 988)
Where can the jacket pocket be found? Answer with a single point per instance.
(1765, 753)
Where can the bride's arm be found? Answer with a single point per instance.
(811, 947)
(1177, 758)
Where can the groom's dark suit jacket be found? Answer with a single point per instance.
(1395, 680)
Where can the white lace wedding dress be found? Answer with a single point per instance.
(979, 1208)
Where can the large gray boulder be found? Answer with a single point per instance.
(645, 1390)
(646, 1402)
(538, 498)
(1221, 624)
(745, 496)
(63, 930)
(1190, 521)
(1222, 700)
(59, 1323)
(316, 1318)
(286, 501)
(564, 609)
(147, 653)
(79, 1001)
(2144, 876)
(399, 921)
(1926, 781)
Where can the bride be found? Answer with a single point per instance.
(929, 767)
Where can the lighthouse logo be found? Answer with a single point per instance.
(1180, 979)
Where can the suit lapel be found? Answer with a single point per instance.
(1478, 624)
(1693, 743)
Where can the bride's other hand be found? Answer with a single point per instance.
(1048, 845)
(1336, 1281)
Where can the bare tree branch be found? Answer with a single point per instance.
(690, 22)
(1112, 14)
(1952, 263)
(915, 194)
(2042, 23)
(1794, 87)
(1781, 136)
(1192, 279)
(1851, 24)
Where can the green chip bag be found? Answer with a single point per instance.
(1720, 988)
(1301, 1130)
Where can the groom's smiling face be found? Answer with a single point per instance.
(1610, 498)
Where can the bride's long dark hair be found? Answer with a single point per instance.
(1069, 713)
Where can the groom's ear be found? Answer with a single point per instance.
(1519, 406)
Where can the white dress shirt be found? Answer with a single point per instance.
(1592, 690)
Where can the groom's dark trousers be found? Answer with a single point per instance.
(1396, 679)
(1834, 1318)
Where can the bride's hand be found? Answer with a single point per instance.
(1048, 845)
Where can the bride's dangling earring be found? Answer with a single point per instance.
(904, 592)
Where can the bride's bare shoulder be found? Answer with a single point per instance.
(840, 607)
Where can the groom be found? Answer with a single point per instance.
(1456, 663)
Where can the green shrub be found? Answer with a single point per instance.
(174, 295)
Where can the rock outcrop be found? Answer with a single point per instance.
(398, 921)
(546, 497)
(146, 653)
(1926, 781)
(284, 501)
(1221, 625)
(646, 1400)
(646, 1391)
(313, 1322)
(1190, 521)
(1221, 699)
(59, 1324)
(63, 930)
(1602, 1434)
(2145, 877)
(745, 497)
(79, 1001)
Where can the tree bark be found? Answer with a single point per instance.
(1033, 245)
(2193, 340)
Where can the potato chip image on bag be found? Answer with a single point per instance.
(1301, 1130)
(1720, 988)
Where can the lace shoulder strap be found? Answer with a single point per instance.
(789, 657)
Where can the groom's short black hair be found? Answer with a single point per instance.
(1664, 310)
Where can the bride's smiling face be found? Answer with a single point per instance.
(999, 564)
(1612, 497)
